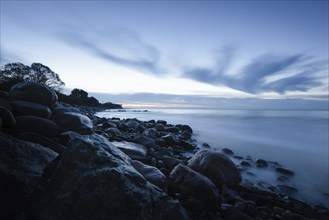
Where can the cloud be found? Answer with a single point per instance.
(296, 72)
(121, 46)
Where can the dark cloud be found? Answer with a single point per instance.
(252, 78)
(130, 50)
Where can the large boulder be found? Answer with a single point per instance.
(195, 188)
(151, 174)
(95, 180)
(30, 108)
(36, 124)
(21, 166)
(133, 150)
(33, 92)
(216, 166)
(8, 120)
(71, 121)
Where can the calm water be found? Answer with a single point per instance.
(298, 140)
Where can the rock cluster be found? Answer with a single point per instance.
(62, 162)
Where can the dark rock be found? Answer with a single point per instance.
(132, 124)
(114, 132)
(33, 92)
(139, 128)
(4, 94)
(38, 125)
(151, 174)
(216, 166)
(186, 145)
(160, 127)
(174, 211)
(194, 186)
(261, 163)
(141, 139)
(170, 162)
(8, 120)
(61, 110)
(205, 145)
(238, 157)
(108, 124)
(160, 153)
(71, 121)
(5, 104)
(21, 166)
(186, 128)
(66, 137)
(150, 132)
(30, 108)
(161, 122)
(131, 149)
(227, 151)
(94, 180)
(42, 140)
(245, 163)
(234, 214)
(289, 190)
(170, 140)
(123, 127)
(284, 171)
(173, 130)
(185, 136)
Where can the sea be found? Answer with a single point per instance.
(297, 140)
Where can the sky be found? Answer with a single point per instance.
(207, 54)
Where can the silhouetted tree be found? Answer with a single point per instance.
(79, 93)
(13, 73)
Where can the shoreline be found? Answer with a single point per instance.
(70, 143)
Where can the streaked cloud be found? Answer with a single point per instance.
(297, 72)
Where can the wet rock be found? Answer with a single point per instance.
(238, 157)
(34, 92)
(245, 163)
(234, 214)
(74, 122)
(170, 162)
(289, 190)
(4, 94)
(186, 128)
(227, 151)
(105, 183)
(216, 166)
(30, 108)
(5, 104)
(114, 133)
(185, 136)
(132, 124)
(123, 127)
(170, 140)
(61, 110)
(36, 124)
(173, 130)
(161, 122)
(133, 150)
(42, 140)
(150, 132)
(66, 137)
(261, 163)
(141, 139)
(108, 124)
(8, 120)
(151, 174)
(187, 146)
(284, 171)
(194, 187)
(160, 127)
(21, 166)
(205, 145)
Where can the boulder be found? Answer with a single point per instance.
(30, 108)
(151, 174)
(170, 140)
(133, 150)
(216, 166)
(261, 163)
(160, 127)
(161, 122)
(38, 125)
(150, 132)
(21, 166)
(284, 171)
(186, 128)
(132, 124)
(170, 162)
(60, 110)
(42, 140)
(5, 104)
(34, 92)
(141, 139)
(8, 120)
(95, 180)
(71, 121)
(194, 187)
(4, 94)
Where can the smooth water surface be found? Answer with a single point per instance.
(298, 140)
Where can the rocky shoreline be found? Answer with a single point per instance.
(60, 161)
